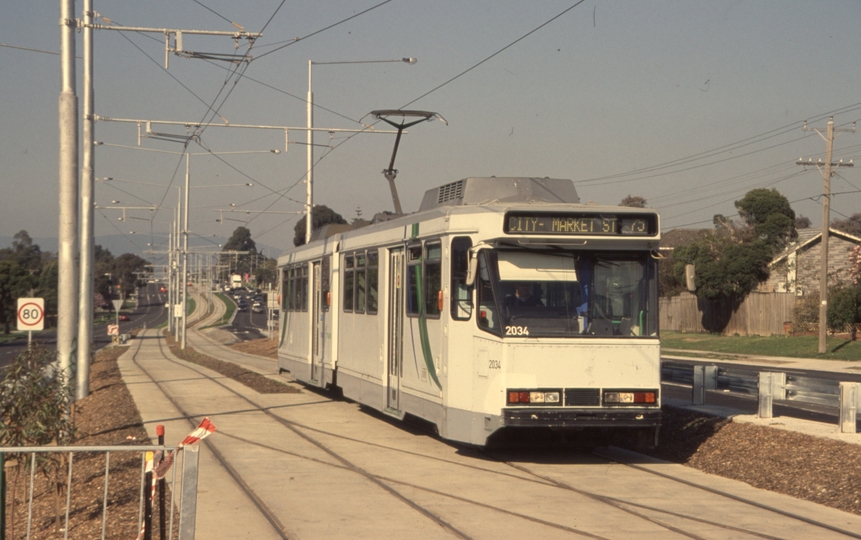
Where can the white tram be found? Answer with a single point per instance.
(419, 314)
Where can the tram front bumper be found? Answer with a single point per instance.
(546, 417)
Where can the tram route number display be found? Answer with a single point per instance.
(580, 224)
(31, 314)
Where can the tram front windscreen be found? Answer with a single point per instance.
(583, 294)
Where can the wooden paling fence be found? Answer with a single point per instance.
(762, 314)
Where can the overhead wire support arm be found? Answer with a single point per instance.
(177, 34)
(193, 128)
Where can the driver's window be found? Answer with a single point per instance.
(487, 316)
(461, 294)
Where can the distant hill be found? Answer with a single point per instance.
(118, 244)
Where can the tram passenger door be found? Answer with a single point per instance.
(318, 325)
(396, 328)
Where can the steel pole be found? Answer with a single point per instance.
(170, 241)
(183, 278)
(177, 245)
(826, 219)
(85, 313)
(67, 281)
(309, 179)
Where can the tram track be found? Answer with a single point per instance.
(264, 509)
(395, 486)
(615, 502)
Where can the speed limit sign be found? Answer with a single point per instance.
(31, 314)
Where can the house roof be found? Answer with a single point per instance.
(808, 237)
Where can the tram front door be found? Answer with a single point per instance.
(396, 328)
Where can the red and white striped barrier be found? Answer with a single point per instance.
(159, 467)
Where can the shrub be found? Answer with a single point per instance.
(35, 402)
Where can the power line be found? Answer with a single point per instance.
(314, 33)
(521, 38)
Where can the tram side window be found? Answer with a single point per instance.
(433, 278)
(414, 279)
(461, 295)
(349, 281)
(291, 300)
(373, 279)
(325, 283)
(304, 287)
(360, 282)
(285, 289)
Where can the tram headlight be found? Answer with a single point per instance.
(620, 397)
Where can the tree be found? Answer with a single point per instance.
(47, 287)
(103, 271)
(320, 215)
(725, 269)
(855, 265)
(240, 240)
(266, 272)
(802, 222)
(23, 252)
(15, 283)
(633, 200)
(850, 225)
(769, 215)
(844, 308)
(124, 268)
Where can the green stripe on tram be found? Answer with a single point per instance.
(423, 322)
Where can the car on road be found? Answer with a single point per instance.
(123, 317)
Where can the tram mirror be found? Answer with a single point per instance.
(690, 282)
(473, 268)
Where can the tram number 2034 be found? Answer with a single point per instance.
(516, 330)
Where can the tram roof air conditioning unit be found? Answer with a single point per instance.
(493, 190)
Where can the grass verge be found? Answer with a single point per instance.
(792, 346)
(229, 306)
(255, 381)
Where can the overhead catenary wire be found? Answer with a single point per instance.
(242, 73)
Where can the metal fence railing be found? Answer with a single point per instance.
(177, 491)
(768, 387)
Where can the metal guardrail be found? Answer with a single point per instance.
(184, 483)
(768, 386)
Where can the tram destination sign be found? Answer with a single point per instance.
(581, 224)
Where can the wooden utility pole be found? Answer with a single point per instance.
(826, 221)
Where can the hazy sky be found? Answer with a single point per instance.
(688, 104)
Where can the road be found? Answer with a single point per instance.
(748, 404)
(248, 325)
(149, 312)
